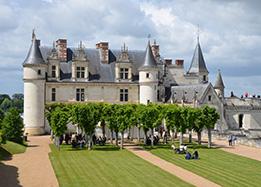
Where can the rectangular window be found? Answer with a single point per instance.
(209, 98)
(53, 71)
(124, 72)
(147, 75)
(124, 95)
(80, 94)
(53, 94)
(39, 72)
(80, 72)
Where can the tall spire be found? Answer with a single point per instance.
(149, 60)
(219, 81)
(34, 55)
(198, 64)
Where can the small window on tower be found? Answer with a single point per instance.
(39, 72)
(147, 75)
(53, 94)
(204, 78)
(53, 71)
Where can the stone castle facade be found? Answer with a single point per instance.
(65, 74)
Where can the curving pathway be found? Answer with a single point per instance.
(185, 175)
(34, 166)
(242, 150)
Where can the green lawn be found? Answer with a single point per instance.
(221, 167)
(10, 148)
(107, 166)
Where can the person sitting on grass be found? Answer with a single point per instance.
(188, 156)
(195, 155)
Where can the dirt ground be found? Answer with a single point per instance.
(30, 169)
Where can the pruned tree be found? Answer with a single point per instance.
(12, 126)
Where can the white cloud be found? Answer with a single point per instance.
(230, 32)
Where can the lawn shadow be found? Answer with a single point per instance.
(9, 176)
(4, 154)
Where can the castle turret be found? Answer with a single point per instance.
(148, 78)
(219, 85)
(34, 89)
(198, 65)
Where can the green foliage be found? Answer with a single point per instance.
(119, 117)
(3, 97)
(210, 115)
(12, 126)
(6, 104)
(58, 120)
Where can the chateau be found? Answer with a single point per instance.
(67, 74)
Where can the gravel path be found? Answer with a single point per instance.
(183, 174)
(33, 168)
(246, 151)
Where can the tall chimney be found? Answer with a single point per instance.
(61, 46)
(179, 62)
(104, 51)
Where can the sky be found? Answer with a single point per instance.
(229, 32)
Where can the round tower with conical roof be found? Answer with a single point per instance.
(148, 78)
(219, 85)
(34, 77)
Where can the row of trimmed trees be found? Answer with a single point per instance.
(120, 117)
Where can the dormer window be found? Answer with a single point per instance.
(124, 73)
(204, 78)
(80, 72)
(53, 71)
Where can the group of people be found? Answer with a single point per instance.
(195, 155)
(155, 140)
(99, 141)
(232, 140)
(183, 149)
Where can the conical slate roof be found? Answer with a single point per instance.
(198, 63)
(149, 58)
(219, 81)
(34, 55)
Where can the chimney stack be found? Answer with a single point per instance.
(61, 46)
(168, 61)
(179, 62)
(104, 51)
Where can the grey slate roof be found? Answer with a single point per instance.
(149, 58)
(98, 71)
(34, 55)
(198, 63)
(219, 81)
(189, 92)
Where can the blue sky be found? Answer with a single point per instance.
(230, 33)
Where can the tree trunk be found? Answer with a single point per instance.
(172, 136)
(190, 136)
(116, 138)
(199, 138)
(146, 136)
(181, 138)
(209, 137)
(138, 134)
(111, 137)
(90, 142)
(176, 133)
(122, 138)
(152, 137)
(103, 129)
